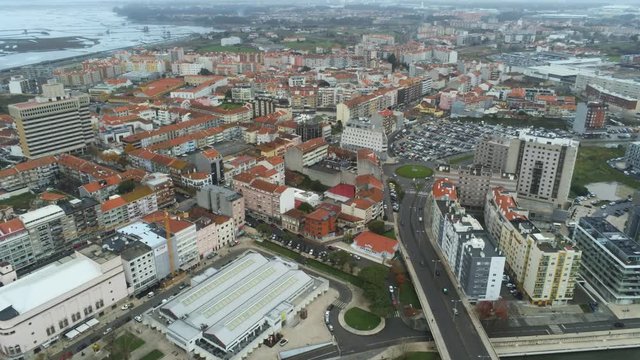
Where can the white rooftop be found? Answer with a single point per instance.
(145, 232)
(41, 213)
(48, 283)
(548, 140)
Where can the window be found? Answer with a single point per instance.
(51, 330)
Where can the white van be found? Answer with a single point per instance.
(150, 294)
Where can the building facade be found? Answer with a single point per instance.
(55, 123)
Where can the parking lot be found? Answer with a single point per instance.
(434, 140)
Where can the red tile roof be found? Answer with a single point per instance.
(507, 205)
(175, 225)
(444, 189)
(311, 145)
(369, 181)
(113, 204)
(10, 227)
(345, 190)
(376, 243)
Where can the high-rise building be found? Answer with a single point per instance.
(543, 165)
(590, 118)
(610, 260)
(493, 152)
(56, 122)
(474, 181)
(632, 155)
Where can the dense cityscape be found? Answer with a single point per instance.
(340, 180)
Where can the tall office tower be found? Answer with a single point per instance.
(590, 118)
(54, 123)
(543, 165)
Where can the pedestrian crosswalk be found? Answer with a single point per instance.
(396, 314)
(340, 304)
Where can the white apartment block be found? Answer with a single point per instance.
(364, 134)
(44, 305)
(56, 122)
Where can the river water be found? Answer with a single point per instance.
(92, 19)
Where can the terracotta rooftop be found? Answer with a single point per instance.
(376, 243)
(10, 227)
(113, 204)
(444, 189)
(311, 145)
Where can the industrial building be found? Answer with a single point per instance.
(229, 312)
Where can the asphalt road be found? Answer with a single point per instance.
(463, 341)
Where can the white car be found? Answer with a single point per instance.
(108, 330)
(138, 318)
(391, 289)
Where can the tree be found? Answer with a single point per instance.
(484, 308)
(375, 275)
(305, 208)
(339, 258)
(579, 190)
(376, 226)
(400, 279)
(305, 69)
(126, 186)
(205, 71)
(501, 309)
(348, 238)
(264, 229)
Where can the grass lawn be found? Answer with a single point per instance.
(230, 106)
(314, 264)
(419, 355)
(232, 48)
(414, 171)
(360, 319)
(460, 159)
(408, 295)
(22, 201)
(126, 341)
(591, 166)
(153, 355)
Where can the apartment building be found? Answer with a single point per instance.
(15, 244)
(610, 260)
(223, 201)
(265, 200)
(319, 224)
(210, 161)
(54, 123)
(49, 229)
(474, 181)
(71, 292)
(544, 267)
(473, 259)
(162, 185)
(365, 134)
(493, 152)
(213, 231)
(365, 106)
(168, 132)
(138, 261)
(37, 173)
(119, 210)
(306, 154)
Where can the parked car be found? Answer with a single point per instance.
(138, 318)
(108, 330)
(283, 342)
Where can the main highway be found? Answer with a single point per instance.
(458, 332)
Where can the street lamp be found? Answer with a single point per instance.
(435, 267)
(455, 306)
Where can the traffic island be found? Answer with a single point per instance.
(360, 322)
(414, 171)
